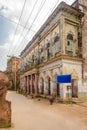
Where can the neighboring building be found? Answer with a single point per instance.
(12, 70)
(82, 6)
(56, 49)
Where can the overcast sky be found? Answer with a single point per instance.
(19, 21)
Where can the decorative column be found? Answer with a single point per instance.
(62, 34)
(53, 88)
(54, 85)
(46, 87)
(25, 84)
(36, 83)
(51, 44)
(31, 84)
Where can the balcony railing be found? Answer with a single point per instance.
(37, 62)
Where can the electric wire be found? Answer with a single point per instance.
(52, 9)
(17, 26)
(40, 8)
(42, 3)
(35, 19)
(29, 28)
(12, 21)
(27, 20)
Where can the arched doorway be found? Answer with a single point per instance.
(26, 83)
(56, 86)
(29, 78)
(42, 91)
(33, 80)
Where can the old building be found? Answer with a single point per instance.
(12, 70)
(82, 6)
(56, 49)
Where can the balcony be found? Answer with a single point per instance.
(70, 53)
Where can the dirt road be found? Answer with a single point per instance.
(31, 114)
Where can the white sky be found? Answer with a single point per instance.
(14, 38)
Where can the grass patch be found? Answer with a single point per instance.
(38, 95)
(5, 125)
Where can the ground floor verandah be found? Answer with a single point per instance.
(44, 80)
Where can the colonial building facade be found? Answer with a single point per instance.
(56, 49)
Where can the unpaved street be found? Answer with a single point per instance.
(31, 114)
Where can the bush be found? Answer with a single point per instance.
(38, 95)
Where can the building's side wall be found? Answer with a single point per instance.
(84, 38)
(83, 7)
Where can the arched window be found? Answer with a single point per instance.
(69, 46)
(70, 36)
(33, 58)
(56, 44)
(48, 45)
(42, 55)
(48, 50)
(56, 39)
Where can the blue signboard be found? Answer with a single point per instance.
(64, 78)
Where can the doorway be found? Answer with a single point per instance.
(26, 83)
(33, 80)
(42, 86)
(74, 88)
(49, 91)
(58, 90)
(29, 78)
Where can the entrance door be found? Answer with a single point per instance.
(74, 88)
(29, 84)
(33, 80)
(58, 90)
(26, 83)
(42, 86)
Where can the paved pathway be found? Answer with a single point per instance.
(29, 114)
